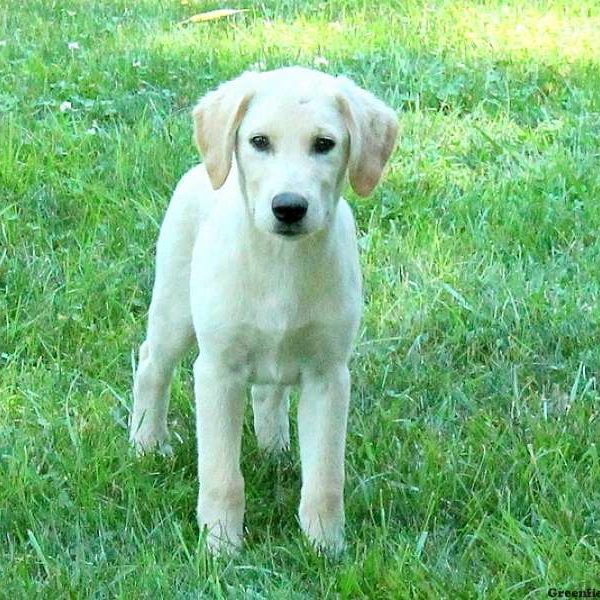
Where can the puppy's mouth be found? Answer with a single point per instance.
(290, 231)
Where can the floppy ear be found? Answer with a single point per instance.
(217, 117)
(373, 127)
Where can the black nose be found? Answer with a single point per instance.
(289, 207)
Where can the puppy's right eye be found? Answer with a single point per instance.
(260, 143)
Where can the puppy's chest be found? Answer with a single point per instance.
(273, 344)
(270, 356)
(272, 324)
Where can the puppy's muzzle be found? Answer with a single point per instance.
(289, 208)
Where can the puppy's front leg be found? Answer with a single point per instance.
(219, 415)
(322, 417)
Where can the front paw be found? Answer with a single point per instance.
(222, 514)
(221, 540)
(322, 521)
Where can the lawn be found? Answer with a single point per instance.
(473, 469)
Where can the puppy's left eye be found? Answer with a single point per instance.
(322, 145)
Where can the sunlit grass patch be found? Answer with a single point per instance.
(539, 33)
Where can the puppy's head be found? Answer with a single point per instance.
(295, 133)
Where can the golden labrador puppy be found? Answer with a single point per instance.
(257, 261)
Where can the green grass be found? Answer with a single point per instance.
(473, 467)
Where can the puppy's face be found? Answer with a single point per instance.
(295, 134)
(292, 153)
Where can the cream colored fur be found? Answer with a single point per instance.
(266, 310)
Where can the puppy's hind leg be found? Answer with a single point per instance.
(170, 329)
(270, 404)
(168, 339)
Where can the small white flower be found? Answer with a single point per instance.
(258, 66)
(73, 46)
(320, 61)
(93, 130)
(3, 43)
(65, 106)
(136, 64)
(71, 13)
